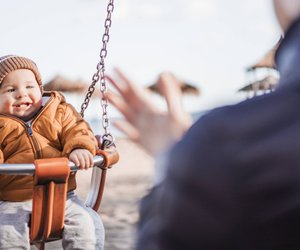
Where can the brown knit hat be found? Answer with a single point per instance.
(10, 63)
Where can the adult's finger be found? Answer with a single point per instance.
(170, 88)
(124, 79)
(128, 129)
(119, 86)
(135, 95)
(119, 103)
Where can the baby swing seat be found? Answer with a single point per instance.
(50, 189)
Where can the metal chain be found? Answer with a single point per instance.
(99, 75)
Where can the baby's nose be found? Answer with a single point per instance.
(21, 93)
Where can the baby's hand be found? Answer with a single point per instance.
(82, 158)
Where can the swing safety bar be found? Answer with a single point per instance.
(29, 169)
(97, 179)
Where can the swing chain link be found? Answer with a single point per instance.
(99, 75)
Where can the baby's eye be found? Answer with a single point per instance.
(30, 87)
(11, 90)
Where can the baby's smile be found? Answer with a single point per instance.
(23, 105)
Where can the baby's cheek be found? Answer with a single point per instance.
(5, 107)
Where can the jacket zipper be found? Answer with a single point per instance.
(36, 147)
(29, 129)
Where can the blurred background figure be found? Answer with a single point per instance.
(232, 181)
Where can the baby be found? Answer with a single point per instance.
(34, 125)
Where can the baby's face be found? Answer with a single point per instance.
(20, 94)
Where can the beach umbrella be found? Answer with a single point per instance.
(60, 83)
(265, 84)
(185, 87)
(268, 60)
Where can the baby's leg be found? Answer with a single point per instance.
(83, 226)
(14, 230)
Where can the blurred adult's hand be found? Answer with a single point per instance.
(145, 123)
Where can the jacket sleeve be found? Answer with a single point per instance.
(1, 157)
(2, 126)
(76, 132)
(193, 207)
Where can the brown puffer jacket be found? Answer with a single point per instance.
(54, 132)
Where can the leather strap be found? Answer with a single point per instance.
(49, 199)
(111, 156)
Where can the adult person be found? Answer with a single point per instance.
(233, 180)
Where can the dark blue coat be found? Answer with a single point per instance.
(233, 182)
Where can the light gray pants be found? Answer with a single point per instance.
(83, 226)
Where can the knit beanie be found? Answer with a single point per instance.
(10, 63)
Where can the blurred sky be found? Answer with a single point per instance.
(208, 43)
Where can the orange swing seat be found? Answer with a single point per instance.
(50, 191)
